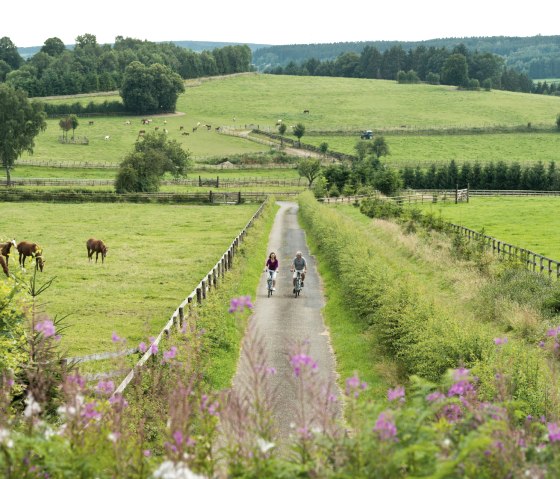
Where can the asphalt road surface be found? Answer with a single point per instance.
(283, 320)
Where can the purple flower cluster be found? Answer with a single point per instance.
(301, 360)
(167, 355)
(500, 341)
(239, 304)
(461, 388)
(397, 393)
(46, 328)
(553, 432)
(354, 386)
(105, 387)
(385, 426)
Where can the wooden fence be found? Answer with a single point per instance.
(533, 261)
(208, 283)
(216, 182)
(112, 197)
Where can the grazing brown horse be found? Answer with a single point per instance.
(6, 247)
(25, 249)
(4, 265)
(96, 246)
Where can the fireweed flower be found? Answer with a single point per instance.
(435, 396)
(300, 361)
(553, 332)
(397, 393)
(105, 387)
(239, 304)
(167, 355)
(46, 328)
(500, 341)
(154, 349)
(115, 337)
(354, 385)
(461, 374)
(460, 388)
(385, 426)
(90, 412)
(142, 347)
(553, 432)
(452, 412)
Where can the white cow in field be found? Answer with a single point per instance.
(127, 122)
(107, 137)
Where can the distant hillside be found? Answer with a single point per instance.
(538, 56)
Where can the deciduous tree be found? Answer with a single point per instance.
(152, 157)
(20, 122)
(309, 168)
(299, 131)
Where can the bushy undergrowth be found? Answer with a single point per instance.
(424, 338)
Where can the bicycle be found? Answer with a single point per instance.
(270, 282)
(297, 284)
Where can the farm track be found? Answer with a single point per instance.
(282, 321)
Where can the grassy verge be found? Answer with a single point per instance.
(430, 310)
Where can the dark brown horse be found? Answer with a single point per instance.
(25, 249)
(6, 247)
(4, 265)
(96, 246)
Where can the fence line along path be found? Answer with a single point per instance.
(282, 321)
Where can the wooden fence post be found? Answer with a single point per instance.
(181, 316)
(199, 295)
(203, 283)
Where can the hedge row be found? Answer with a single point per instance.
(420, 335)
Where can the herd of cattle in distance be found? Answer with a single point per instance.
(147, 121)
(27, 249)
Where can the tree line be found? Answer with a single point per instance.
(500, 175)
(537, 56)
(91, 67)
(459, 66)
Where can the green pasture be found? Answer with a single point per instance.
(202, 143)
(354, 104)
(157, 255)
(530, 223)
(409, 150)
(335, 104)
(24, 171)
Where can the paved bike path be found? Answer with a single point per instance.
(282, 320)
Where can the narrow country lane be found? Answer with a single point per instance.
(283, 320)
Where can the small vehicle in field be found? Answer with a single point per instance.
(366, 135)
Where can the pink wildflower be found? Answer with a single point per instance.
(142, 347)
(239, 304)
(500, 341)
(46, 327)
(553, 432)
(171, 353)
(353, 385)
(435, 397)
(115, 337)
(154, 349)
(397, 393)
(105, 387)
(385, 426)
(298, 361)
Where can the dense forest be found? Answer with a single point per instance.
(537, 56)
(91, 67)
(435, 65)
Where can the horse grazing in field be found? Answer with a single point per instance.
(6, 247)
(4, 265)
(25, 249)
(96, 246)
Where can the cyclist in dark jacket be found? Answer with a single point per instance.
(272, 265)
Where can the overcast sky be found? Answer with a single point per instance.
(31, 22)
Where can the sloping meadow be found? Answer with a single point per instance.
(425, 308)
